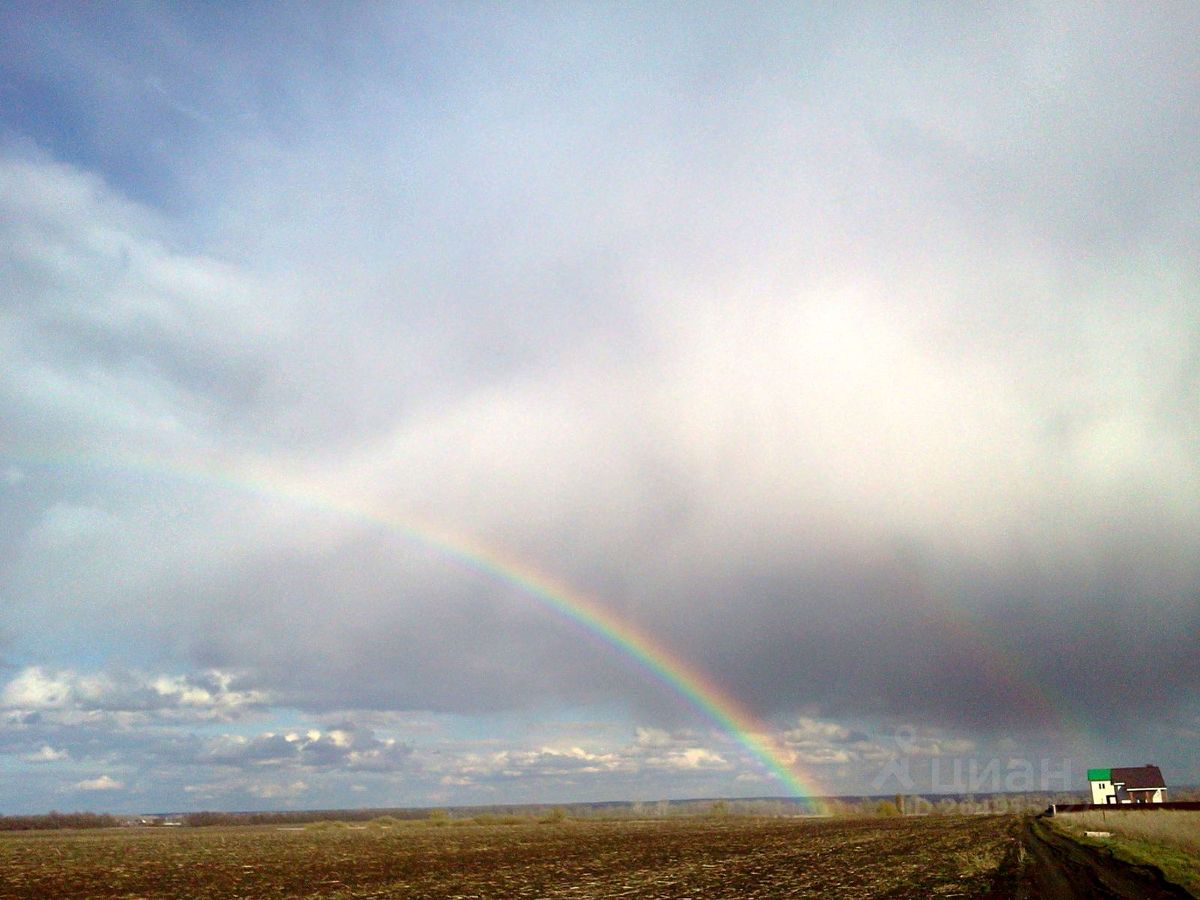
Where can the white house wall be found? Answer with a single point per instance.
(1102, 790)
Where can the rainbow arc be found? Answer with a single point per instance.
(651, 655)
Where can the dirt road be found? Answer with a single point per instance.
(1057, 868)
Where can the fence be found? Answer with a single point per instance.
(1056, 808)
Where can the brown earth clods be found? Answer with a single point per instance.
(735, 857)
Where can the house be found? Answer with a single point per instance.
(1136, 784)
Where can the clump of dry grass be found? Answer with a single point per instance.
(976, 861)
(326, 825)
(384, 822)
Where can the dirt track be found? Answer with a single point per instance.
(1058, 868)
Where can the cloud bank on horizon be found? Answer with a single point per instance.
(854, 355)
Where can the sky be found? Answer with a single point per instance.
(848, 358)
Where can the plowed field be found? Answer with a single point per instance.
(734, 857)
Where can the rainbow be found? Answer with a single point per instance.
(666, 667)
(650, 654)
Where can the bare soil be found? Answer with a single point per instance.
(734, 857)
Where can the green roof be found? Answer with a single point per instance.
(1099, 774)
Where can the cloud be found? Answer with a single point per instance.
(579, 765)
(344, 748)
(698, 758)
(653, 737)
(46, 754)
(269, 791)
(34, 689)
(211, 696)
(117, 333)
(101, 783)
(809, 730)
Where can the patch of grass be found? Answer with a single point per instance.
(326, 825)
(978, 861)
(492, 819)
(384, 822)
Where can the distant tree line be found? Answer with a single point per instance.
(765, 807)
(895, 805)
(55, 819)
(297, 817)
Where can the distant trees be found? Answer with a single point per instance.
(899, 805)
(917, 806)
(55, 819)
(298, 817)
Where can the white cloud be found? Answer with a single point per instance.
(809, 730)
(699, 758)
(547, 762)
(208, 695)
(102, 783)
(46, 754)
(821, 756)
(653, 737)
(338, 749)
(34, 689)
(275, 791)
(211, 693)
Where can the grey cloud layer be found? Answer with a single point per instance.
(856, 360)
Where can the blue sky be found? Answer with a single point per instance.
(852, 355)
